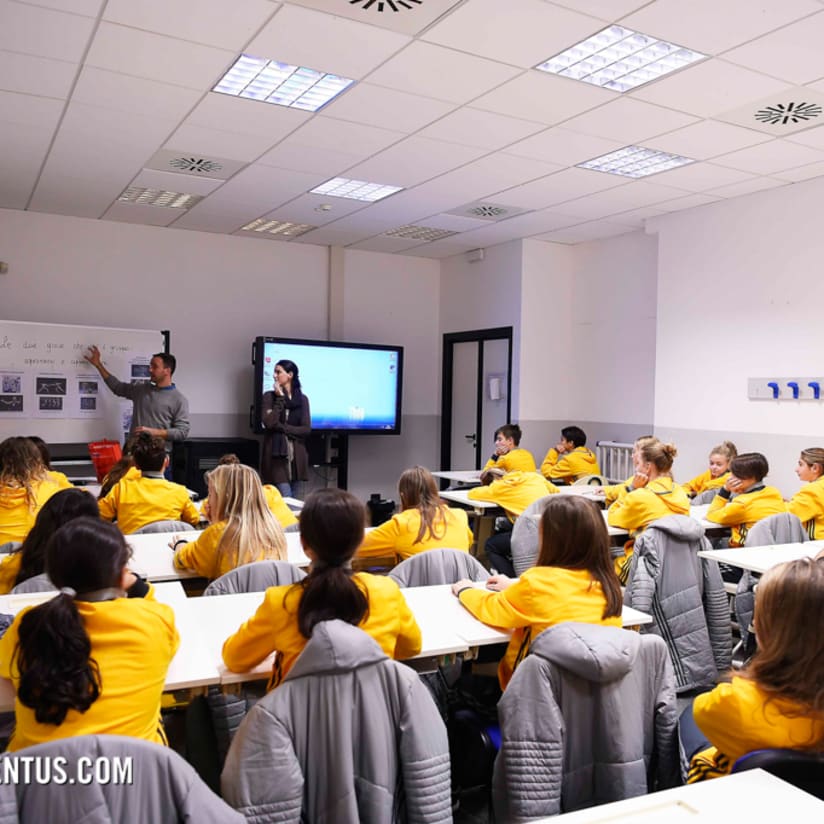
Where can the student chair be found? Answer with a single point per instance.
(525, 536)
(164, 526)
(705, 497)
(801, 769)
(39, 583)
(589, 480)
(438, 566)
(256, 577)
(9, 546)
(162, 788)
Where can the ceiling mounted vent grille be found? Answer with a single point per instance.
(782, 114)
(794, 110)
(195, 164)
(486, 211)
(387, 5)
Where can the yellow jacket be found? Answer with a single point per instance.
(514, 492)
(570, 466)
(133, 641)
(514, 460)
(275, 502)
(201, 554)
(135, 502)
(541, 597)
(398, 535)
(615, 491)
(60, 479)
(275, 627)
(703, 482)
(642, 506)
(742, 511)
(16, 515)
(808, 505)
(9, 567)
(740, 717)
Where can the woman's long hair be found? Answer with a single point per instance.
(53, 655)
(62, 507)
(574, 536)
(252, 531)
(417, 489)
(21, 467)
(291, 366)
(331, 526)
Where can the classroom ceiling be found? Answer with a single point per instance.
(101, 97)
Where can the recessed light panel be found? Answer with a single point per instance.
(158, 197)
(281, 228)
(635, 161)
(620, 59)
(257, 78)
(355, 189)
(420, 233)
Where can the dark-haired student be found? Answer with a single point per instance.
(331, 530)
(508, 455)
(570, 459)
(91, 660)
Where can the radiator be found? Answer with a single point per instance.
(615, 460)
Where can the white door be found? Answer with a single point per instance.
(464, 404)
(495, 388)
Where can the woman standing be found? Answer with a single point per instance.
(288, 422)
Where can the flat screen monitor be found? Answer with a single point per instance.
(351, 387)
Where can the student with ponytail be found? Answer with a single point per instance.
(808, 502)
(331, 530)
(90, 660)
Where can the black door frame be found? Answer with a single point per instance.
(449, 340)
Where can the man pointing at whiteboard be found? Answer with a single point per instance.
(160, 408)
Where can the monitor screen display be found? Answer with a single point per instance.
(351, 387)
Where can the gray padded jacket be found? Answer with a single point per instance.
(686, 598)
(588, 717)
(349, 736)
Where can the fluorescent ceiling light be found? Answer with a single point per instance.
(355, 189)
(277, 227)
(420, 233)
(620, 59)
(635, 161)
(257, 78)
(158, 197)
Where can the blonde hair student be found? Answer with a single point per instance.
(808, 502)
(572, 581)
(777, 700)
(90, 660)
(717, 473)
(243, 527)
(614, 491)
(331, 529)
(424, 522)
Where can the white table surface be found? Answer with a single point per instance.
(762, 558)
(468, 477)
(754, 797)
(461, 496)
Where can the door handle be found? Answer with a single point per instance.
(470, 437)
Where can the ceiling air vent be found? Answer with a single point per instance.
(785, 113)
(794, 110)
(387, 5)
(486, 211)
(195, 164)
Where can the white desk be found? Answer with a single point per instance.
(754, 796)
(461, 496)
(293, 503)
(463, 477)
(696, 512)
(762, 558)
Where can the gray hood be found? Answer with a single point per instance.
(336, 646)
(680, 527)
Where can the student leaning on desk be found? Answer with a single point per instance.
(570, 459)
(808, 503)
(508, 456)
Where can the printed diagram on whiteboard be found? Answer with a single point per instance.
(11, 397)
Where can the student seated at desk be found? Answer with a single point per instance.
(613, 492)
(572, 581)
(90, 660)
(58, 477)
(753, 500)
(650, 495)
(25, 486)
(508, 456)
(808, 502)
(243, 528)
(137, 501)
(777, 700)
(570, 459)
(331, 530)
(29, 559)
(424, 522)
(124, 468)
(719, 470)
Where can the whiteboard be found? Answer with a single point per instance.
(48, 389)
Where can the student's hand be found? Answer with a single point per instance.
(177, 541)
(734, 484)
(129, 579)
(498, 583)
(639, 479)
(462, 584)
(501, 449)
(155, 433)
(92, 355)
(560, 448)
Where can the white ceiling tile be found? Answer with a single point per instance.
(583, 232)
(628, 121)
(28, 110)
(23, 148)
(290, 154)
(234, 145)
(698, 177)
(486, 130)
(140, 213)
(26, 74)
(80, 196)
(520, 226)
(382, 243)
(43, 32)
(223, 217)
(157, 57)
(125, 129)
(237, 114)
(325, 132)
(712, 27)
(688, 202)
(619, 199)
(557, 188)
(413, 161)
(330, 236)
(170, 182)
(89, 8)
(265, 187)
(440, 249)
(387, 108)
(812, 137)
(311, 209)
(195, 165)
(792, 53)
(802, 172)
(561, 146)
(639, 217)
(609, 10)
(434, 71)
(771, 157)
(709, 88)
(521, 32)
(455, 223)
(786, 114)
(746, 187)
(705, 139)
(196, 20)
(304, 37)
(544, 97)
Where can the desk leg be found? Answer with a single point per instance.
(484, 528)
